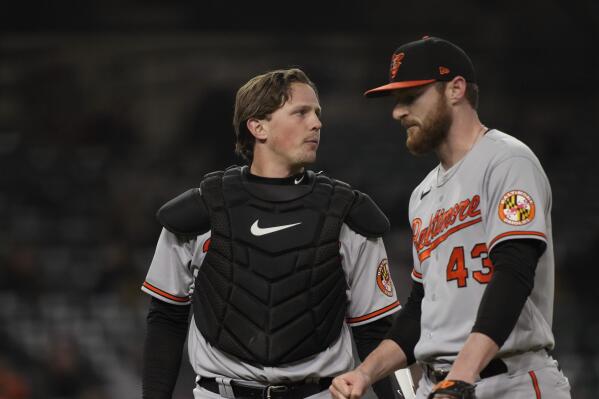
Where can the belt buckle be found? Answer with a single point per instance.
(274, 388)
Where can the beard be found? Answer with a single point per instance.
(432, 132)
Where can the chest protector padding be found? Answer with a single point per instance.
(272, 297)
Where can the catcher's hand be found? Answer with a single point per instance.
(452, 389)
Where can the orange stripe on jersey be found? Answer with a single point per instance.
(422, 256)
(373, 314)
(535, 384)
(516, 233)
(416, 274)
(206, 245)
(165, 294)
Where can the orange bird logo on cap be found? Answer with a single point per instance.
(395, 63)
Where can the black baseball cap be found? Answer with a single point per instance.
(424, 61)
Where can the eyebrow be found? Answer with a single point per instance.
(305, 107)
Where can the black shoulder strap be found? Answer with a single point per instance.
(366, 218)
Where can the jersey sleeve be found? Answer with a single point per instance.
(170, 277)
(518, 201)
(417, 269)
(416, 224)
(370, 292)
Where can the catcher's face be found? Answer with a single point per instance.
(292, 133)
(426, 116)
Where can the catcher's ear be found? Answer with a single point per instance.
(257, 128)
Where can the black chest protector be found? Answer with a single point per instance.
(271, 289)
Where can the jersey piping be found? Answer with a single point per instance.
(150, 289)
(516, 233)
(535, 384)
(416, 276)
(370, 316)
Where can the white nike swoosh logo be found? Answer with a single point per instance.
(259, 231)
(298, 181)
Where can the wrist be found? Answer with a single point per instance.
(366, 372)
(461, 376)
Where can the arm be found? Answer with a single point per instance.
(165, 337)
(389, 355)
(367, 337)
(384, 360)
(381, 362)
(514, 263)
(169, 281)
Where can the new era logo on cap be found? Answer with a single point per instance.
(424, 61)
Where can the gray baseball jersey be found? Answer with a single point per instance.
(497, 192)
(370, 293)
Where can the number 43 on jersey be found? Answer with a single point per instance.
(457, 270)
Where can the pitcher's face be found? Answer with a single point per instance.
(426, 116)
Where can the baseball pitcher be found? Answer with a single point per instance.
(478, 319)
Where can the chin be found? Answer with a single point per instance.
(308, 158)
(417, 147)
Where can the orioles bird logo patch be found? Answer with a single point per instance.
(383, 278)
(395, 63)
(516, 208)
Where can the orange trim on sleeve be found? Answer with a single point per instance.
(535, 384)
(373, 314)
(516, 233)
(416, 274)
(165, 294)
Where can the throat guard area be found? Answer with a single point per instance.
(271, 289)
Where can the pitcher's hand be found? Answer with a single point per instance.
(351, 385)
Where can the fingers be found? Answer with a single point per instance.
(335, 394)
(347, 386)
(339, 388)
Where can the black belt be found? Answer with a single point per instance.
(495, 367)
(288, 391)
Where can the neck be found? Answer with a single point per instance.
(272, 169)
(463, 134)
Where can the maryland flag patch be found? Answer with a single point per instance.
(383, 278)
(516, 208)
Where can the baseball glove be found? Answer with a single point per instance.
(453, 389)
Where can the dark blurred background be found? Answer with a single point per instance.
(110, 108)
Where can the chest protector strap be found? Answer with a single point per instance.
(271, 289)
